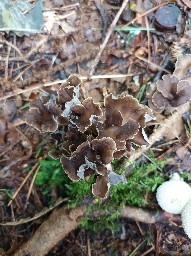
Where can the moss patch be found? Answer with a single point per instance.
(144, 180)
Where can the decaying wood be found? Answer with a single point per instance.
(59, 224)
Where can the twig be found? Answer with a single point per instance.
(22, 184)
(14, 47)
(139, 227)
(148, 251)
(37, 45)
(37, 216)
(142, 15)
(158, 167)
(14, 59)
(75, 50)
(12, 213)
(134, 251)
(148, 37)
(152, 63)
(7, 64)
(163, 66)
(23, 71)
(89, 248)
(71, 6)
(102, 47)
(31, 185)
(32, 88)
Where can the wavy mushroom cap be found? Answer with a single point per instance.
(186, 216)
(173, 195)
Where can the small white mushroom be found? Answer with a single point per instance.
(173, 195)
(186, 217)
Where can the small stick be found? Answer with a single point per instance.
(158, 167)
(139, 227)
(111, 28)
(23, 71)
(149, 250)
(14, 59)
(20, 91)
(36, 217)
(142, 15)
(63, 7)
(31, 185)
(3, 41)
(148, 37)
(152, 63)
(7, 63)
(163, 66)
(89, 248)
(134, 251)
(22, 184)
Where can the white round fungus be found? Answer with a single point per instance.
(186, 218)
(173, 195)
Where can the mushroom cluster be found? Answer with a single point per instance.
(173, 90)
(92, 134)
(174, 196)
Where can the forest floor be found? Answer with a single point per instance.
(110, 47)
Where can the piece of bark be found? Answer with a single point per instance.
(60, 223)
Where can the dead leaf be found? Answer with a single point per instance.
(14, 147)
(66, 27)
(171, 128)
(187, 3)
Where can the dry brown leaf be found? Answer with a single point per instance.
(187, 3)
(171, 128)
(14, 147)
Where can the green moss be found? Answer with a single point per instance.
(51, 175)
(144, 179)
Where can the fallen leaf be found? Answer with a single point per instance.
(187, 3)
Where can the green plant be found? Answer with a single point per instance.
(144, 179)
(51, 175)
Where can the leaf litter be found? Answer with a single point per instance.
(92, 39)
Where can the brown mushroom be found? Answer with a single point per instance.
(41, 117)
(83, 115)
(91, 135)
(101, 187)
(170, 93)
(120, 110)
(72, 164)
(104, 149)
